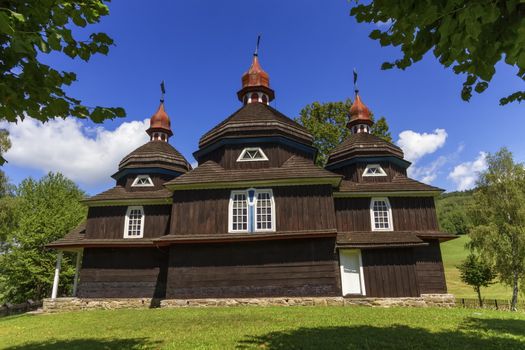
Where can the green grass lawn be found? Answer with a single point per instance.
(454, 253)
(267, 328)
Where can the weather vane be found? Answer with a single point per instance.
(355, 81)
(162, 91)
(257, 46)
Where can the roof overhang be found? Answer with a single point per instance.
(144, 170)
(249, 140)
(369, 159)
(333, 181)
(342, 194)
(126, 202)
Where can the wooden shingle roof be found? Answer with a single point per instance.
(378, 239)
(398, 184)
(155, 154)
(296, 170)
(257, 119)
(363, 144)
(119, 194)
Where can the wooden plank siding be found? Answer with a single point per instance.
(108, 222)
(297, 208)
(123, 273)
(390, 273)
(254, 269)
(429, 266)
(408, 214)
(277, 154)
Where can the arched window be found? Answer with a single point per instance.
(264, 99)
(134, 226)
(255, 97)
(381, 214)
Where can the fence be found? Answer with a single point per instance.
(495, 304)
(14, 309)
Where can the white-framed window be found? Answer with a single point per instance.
(142, 181)
(251, 210)
(374, 170)
(134, 225)
(252, 154)
(381, 214)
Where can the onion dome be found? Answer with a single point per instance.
(360, 116)
(256, 83)
(160, 125)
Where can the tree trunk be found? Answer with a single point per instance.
(478, 290)
(514, 300)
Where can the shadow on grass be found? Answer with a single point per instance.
(498, 325)
(87, 344)
(369, 337)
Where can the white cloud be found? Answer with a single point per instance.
(83, 154)
(428, 173)
(381, 24)
(416, 145)
(465, 174)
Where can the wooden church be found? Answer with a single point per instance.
(257, 217)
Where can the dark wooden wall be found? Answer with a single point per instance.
(354, 172)
(277, 154)
(297, 208)
(108, 222)
(390, 273)
(414, 213)
(123, 273)
(254, 269)
(158, 182)
(430, 271)
(408, 214)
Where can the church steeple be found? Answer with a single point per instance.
(360, 116)
(256, 82)
(159, 124)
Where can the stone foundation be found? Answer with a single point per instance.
(70, 304)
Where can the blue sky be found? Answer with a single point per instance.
(309, 48)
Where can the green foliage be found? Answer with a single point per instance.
(31, 29)
(327, 123)
(44, 211)
(476, 273)
(452, 211)
(470, 36)
(499, 218)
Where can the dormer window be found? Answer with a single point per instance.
(142, 181)
(252, 154)
(134, 226)
(374, 170)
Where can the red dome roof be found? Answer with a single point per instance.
(160, 121)
(255, 76)
(359, 113)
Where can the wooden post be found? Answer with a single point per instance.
(77, 269)
(57, 275)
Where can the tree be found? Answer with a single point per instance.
(499, 219)
(476, 273)
(453, 212)
(470, 36)
(327, 123)
(46, 210)
(30, 29)
(5, 144)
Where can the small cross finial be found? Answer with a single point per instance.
(257, 45)
(162, 91)
(355, 81)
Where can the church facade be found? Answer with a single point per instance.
(257, 217)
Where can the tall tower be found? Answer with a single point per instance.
(159, 124)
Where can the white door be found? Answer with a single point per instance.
(351, 271)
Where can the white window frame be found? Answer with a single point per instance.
(230, 212)
(126, 224)
(241, 159)
(251, 205)
(389, 214)
(140, 177)
(382, 171)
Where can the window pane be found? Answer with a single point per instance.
(264, 207)
(239, 212)
(380, 210)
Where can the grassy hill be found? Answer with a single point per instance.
(454, 253)
(271, 328)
